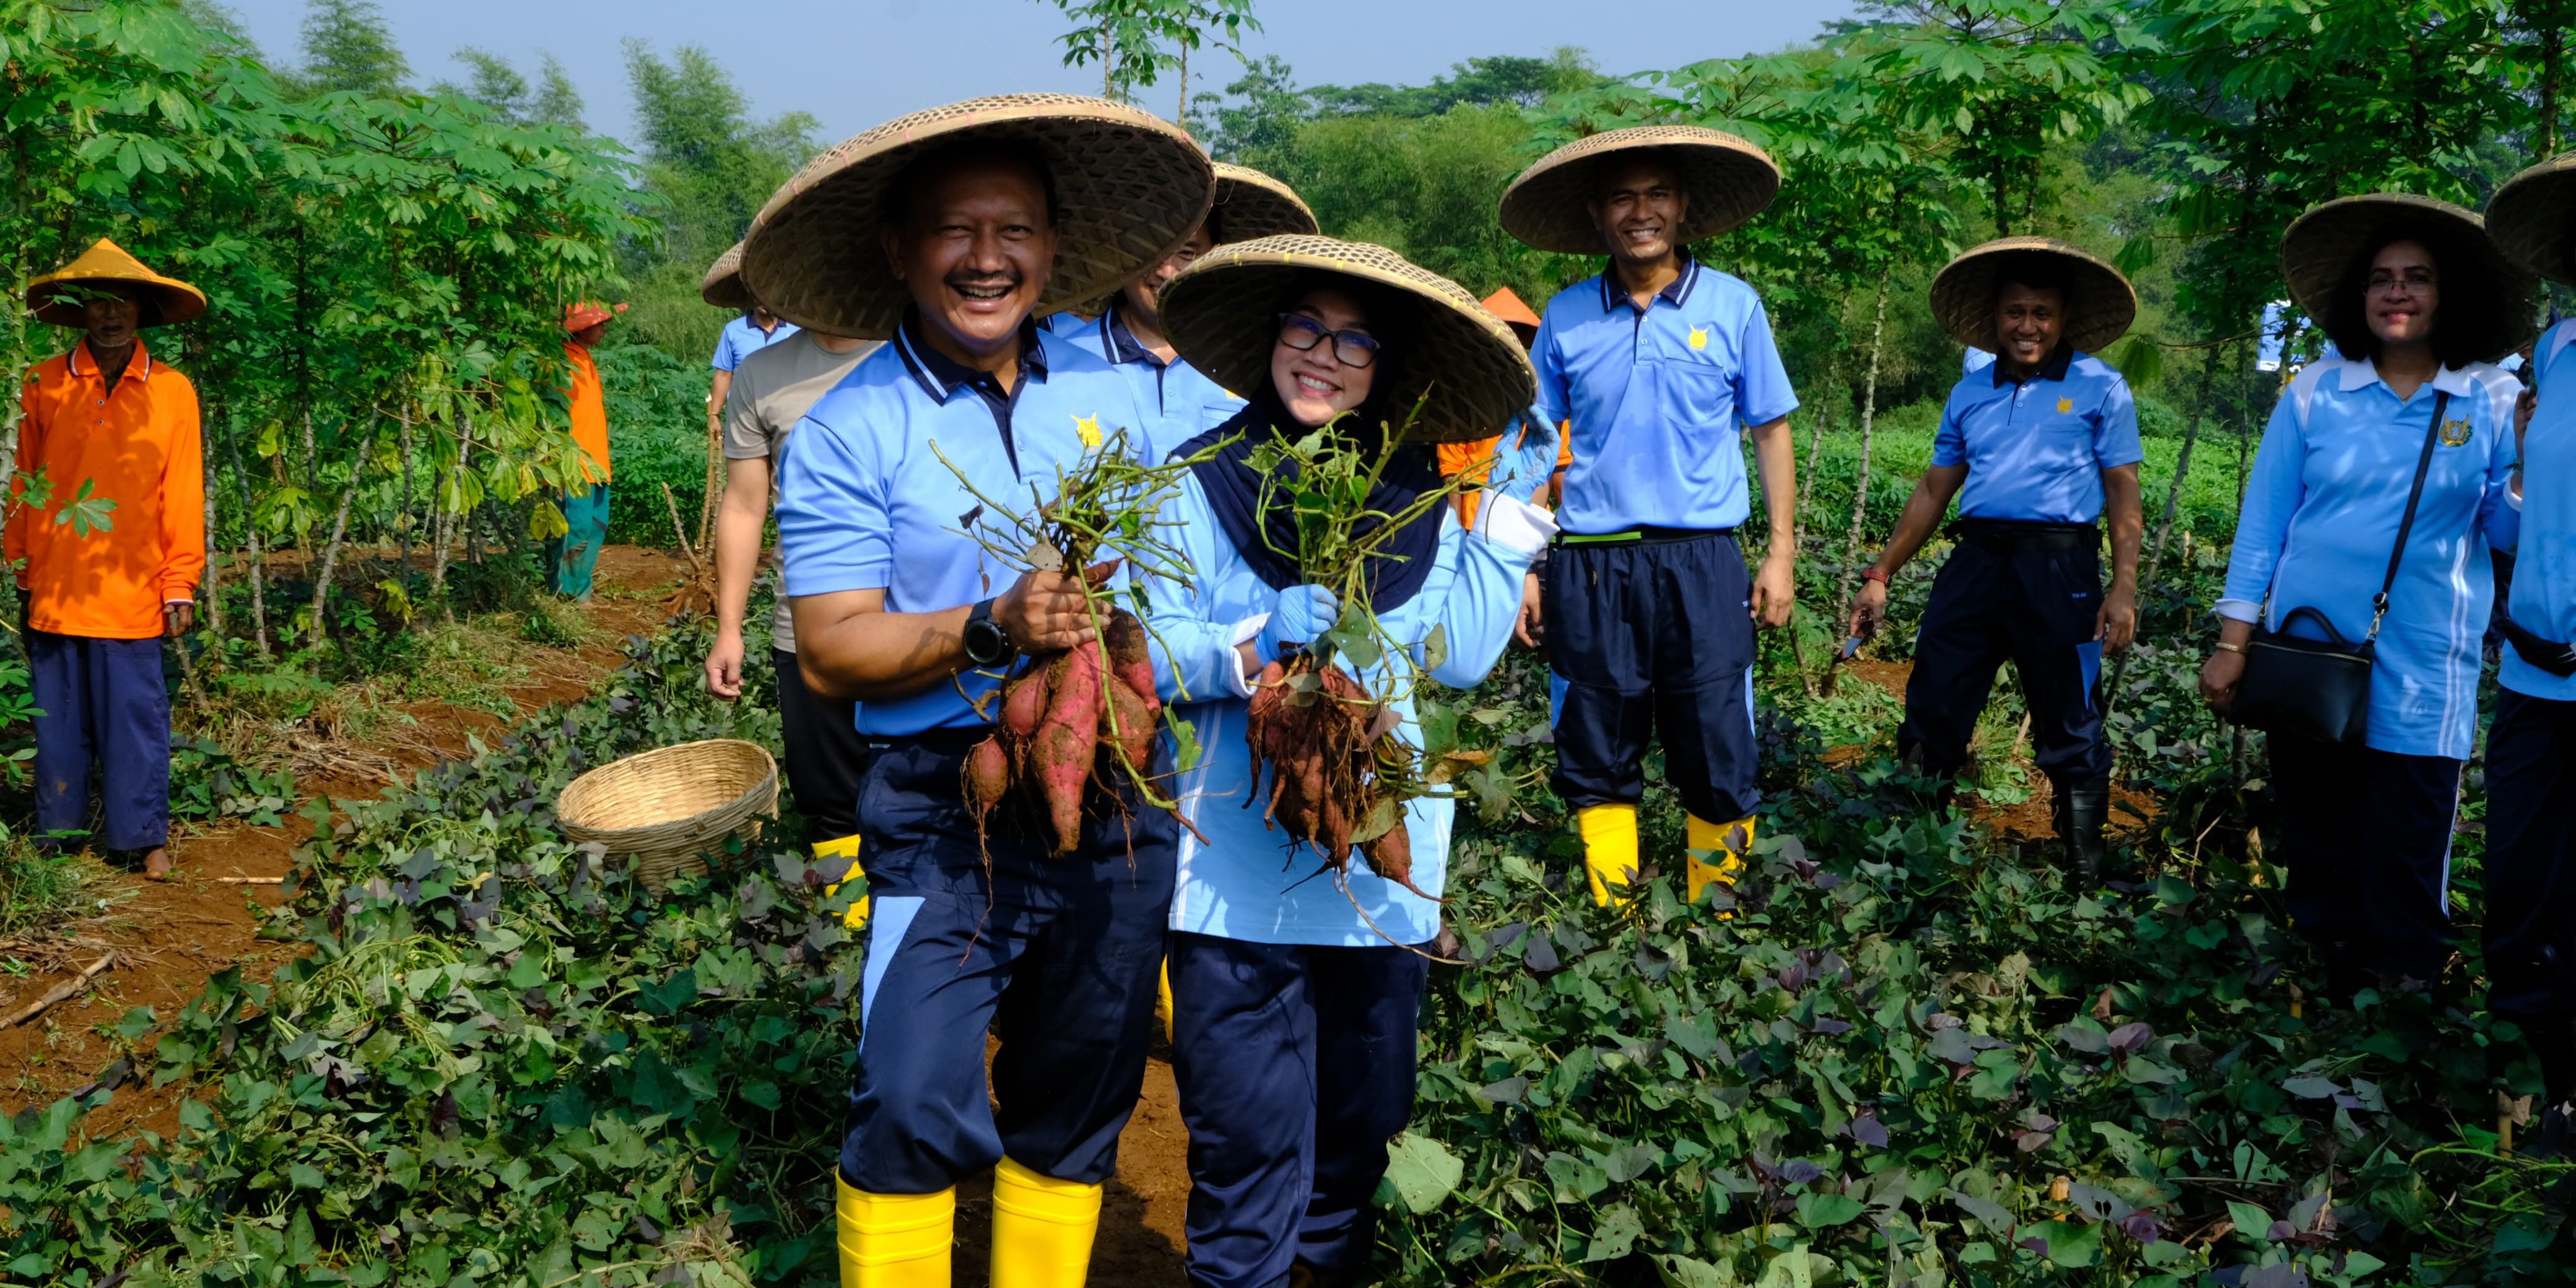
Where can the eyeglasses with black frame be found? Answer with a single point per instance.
(1350, 348)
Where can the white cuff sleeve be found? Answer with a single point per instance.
(2239, 610)
(2513, 492)
(1514, 524)
(1236, 682)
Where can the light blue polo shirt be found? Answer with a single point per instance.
(2544, 571)
(741, 340)
(866, 502)
(2035, 449)
(1659, 399)
(2322, 505)
(1185, 401)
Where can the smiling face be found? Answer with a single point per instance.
(1144, 296)
(110, 317)
(1313, 382)
(1639, 205)
(2401, 294)
(2028, 322)
(975, 246)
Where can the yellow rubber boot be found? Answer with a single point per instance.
(1609, 847)
(839, 848)
(1042, 1229)
(1727, 843)
(1163, 1000)
(894, 1240)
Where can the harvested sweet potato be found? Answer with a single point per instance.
(1130, 660)
(1053, 750)
(1327, 771)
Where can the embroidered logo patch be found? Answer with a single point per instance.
(2455, 433)
(2065, 405)
(1089, 428)
(1698, 338)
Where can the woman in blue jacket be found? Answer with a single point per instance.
(1294, 994)
(2419, 305)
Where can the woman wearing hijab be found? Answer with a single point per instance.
(1294, 995)
(2383, 479)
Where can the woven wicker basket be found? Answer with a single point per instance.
(669, 806)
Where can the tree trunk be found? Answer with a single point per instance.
(1816, 441)
(213, 485)
(1868, 424)
(330, 562)
(2182, 465)
(1182, 116)
(2553, 46)
(258, 556)
(402, 513)
(312, 481)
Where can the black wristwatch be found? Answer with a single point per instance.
(987, 644)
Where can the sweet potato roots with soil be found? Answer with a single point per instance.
(1075, 725)
(1326, 744)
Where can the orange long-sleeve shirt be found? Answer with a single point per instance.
(589, 412)
(1477, 458)
(139, 446)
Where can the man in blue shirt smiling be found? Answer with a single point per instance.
(2039, 447)
(949, 229)
(1663, 366)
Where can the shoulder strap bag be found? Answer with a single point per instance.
(2320, 688)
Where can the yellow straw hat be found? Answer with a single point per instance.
(2099, 303)
(2486, 298)
(1222, 314)
(56, 297)
(722, 286)
(2533, 218)
(1729, 181)
(1129, 188)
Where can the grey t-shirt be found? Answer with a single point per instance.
(772, 390)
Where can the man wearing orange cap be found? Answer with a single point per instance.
(107, 422)
(571, 557)
(1477, 459)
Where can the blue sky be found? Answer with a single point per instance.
(853, 63)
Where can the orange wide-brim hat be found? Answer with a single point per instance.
(588, 313)
(1514, 312)
(58, 297)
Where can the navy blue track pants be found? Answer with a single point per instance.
(2038, 608)
(826, 754)
(106, 719)
(1296, 1067)
(1654, 639)
(2366, 835)
(2531, 858)
(1057, 957)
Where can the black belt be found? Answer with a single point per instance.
(1648, 534)
(938, 740)
(2017, 535)
(2547, 654)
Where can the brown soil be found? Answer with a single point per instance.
(1140, 1212)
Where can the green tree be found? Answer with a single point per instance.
(1500, 81)
(1136, 41)
(1257, 120)
(557, 102)
(347, 47)
(493, 82)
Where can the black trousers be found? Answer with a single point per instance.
(2038, 607)
(825, 754)
(1295, 1065)
(1653, 638)
(2531, 858)
(2366, 835)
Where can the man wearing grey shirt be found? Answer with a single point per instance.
(772, 389)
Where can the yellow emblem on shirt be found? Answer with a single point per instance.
(1698, 338)
(1089, 428)
(2065, 405)
(2455, 433)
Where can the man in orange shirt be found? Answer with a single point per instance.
(99, 600)
(571, 557)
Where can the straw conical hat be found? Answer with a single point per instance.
(1222, 314)
(2486, 301)
(1250, 205)
(722, 286)
(2099, 302)
(1729, 181)
(2533, 218)
(54, 297)
(1129, 189)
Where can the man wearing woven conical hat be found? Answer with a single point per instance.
(1661, 366)
(944, 233)
(2041, 449)
(572, 557)
(1129, 333)
(113, 420)
(754, 329)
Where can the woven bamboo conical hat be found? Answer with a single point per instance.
(1222, 314)
(2486, 298)
(722, 286)
(1129, 188)
(56, 297)
(2099, 303)
(1729, 181)
(1252, 205)
(2532, 218)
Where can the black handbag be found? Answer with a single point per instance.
(2320, 688)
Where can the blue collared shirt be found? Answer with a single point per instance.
(1185, 401)
(741, 340)
(2544, 574)
(2035, 449)
(2322, 505)
(1659, 399)
(867, 502)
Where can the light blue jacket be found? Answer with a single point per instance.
(1246, 882)
(2544, 576)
